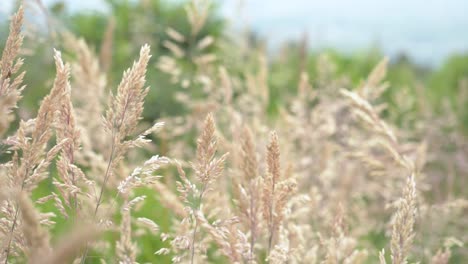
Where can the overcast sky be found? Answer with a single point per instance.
(429, 30)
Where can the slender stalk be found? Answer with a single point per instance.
(253, 224)
(107, 174)
(15, 220)
(10, 237)
(106, 178)
(98, 202)
(194, 233)
(271, 225)
(270, 241)
(192, 246)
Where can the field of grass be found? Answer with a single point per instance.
(158, 135)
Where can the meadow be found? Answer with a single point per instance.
(155, 134)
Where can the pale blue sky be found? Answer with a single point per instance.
(428, 30)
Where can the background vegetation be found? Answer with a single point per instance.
(428, 107)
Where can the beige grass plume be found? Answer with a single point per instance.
(10, 86)
(88, 94)
(66, 129)
(276, 191)
(403, 234)
(247, 188)
(32, 167)
(121, 119)
(207, 168)
(124, 113)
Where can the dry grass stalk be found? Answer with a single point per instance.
(276, 191)
(124, 113)
(32, 166)
(372, 88)
(66, 130)
(404, 219)
(365, 110)
(10, 86)
(89, 83)
(226, 236)
(125, 248)
(122, 117)
(207, 169)
(142, 176)
(209, 223)
(247, 187)
(403, 234)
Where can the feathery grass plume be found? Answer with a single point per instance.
(37, 239)
(272, 222)
(89, 84)
(31, 167)
(124, 113)
(269, 185)
(10, 86)
(368, 114)
(66, 129)
(231, 241)
(207, 169)
(121, 118)
(273, 159)
(340, 247)
(142, 176)
(149, 224)
(403, 224)
(276, 191)
(127, 106)
(197, 14)
(249, 163)
(246, 188)
(373, 88)
(125, 248)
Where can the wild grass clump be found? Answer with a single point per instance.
(327, 177)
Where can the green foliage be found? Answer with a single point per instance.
(451, 82)
(146, 22)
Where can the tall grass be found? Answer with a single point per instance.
(327, 178)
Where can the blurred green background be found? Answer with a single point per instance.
(139, 22)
